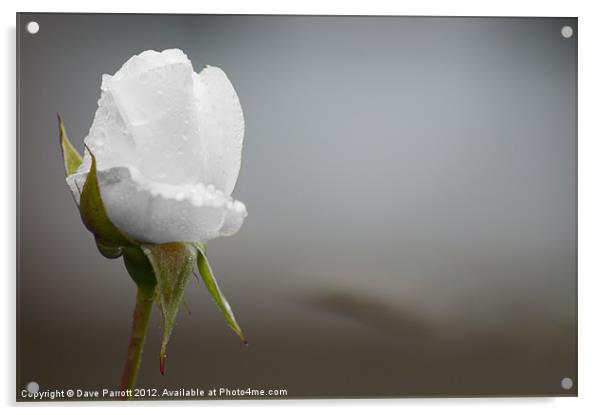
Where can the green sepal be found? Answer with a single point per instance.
(139, 267)
(94, 215)
(172, 264)
(71, 158)
(109, 238)
(213, 288)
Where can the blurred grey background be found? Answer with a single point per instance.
(411, 187)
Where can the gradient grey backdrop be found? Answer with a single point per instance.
(411, 187)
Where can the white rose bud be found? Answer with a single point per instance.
(167, 143)
(154, 186)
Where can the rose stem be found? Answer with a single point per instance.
(142, 310)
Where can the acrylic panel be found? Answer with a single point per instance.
(398, 221)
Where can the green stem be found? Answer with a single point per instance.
(144, 304)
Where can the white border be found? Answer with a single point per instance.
(590, 200)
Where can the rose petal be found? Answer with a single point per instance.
(169, 132)
(157, 212)
(222, 126)
(172, 124)
(157, 106)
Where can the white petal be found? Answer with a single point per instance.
(158, 109)
(108, 139)
(168, 148)
(157, 212)
(222, 126)
(235, 216)
(172, 124)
